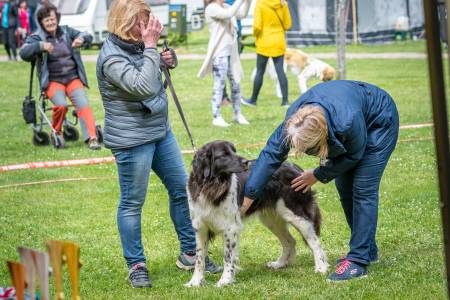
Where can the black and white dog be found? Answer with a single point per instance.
(215, 191)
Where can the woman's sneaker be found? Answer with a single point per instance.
(93, 144)
(240, 119)
(138, 276)
(248, 102)
(219, 121)
(187, 262)
(347, 270)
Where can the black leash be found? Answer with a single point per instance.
(168, 82)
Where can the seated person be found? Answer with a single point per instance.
(61, 71)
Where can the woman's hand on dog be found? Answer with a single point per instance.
(245, 206)
(304, 182)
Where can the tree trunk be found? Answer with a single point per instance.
(341, 37)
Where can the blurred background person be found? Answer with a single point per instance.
(271, 21)
(222, 58)
(32, 6)
(10, 20)
(24, 27)
(61, 71)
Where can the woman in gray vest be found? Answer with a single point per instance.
(138, 132)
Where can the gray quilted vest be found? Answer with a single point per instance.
(129, 120)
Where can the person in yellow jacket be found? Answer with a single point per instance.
(271, 20)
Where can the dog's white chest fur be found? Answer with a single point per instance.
(217, 218)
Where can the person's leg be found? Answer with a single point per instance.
(5, 38)
(220, 67)
(235, 97)
(261, 63)
(366, 181)
(12, 42)
(133, 166)
(279, 68)
(56, 93)
(344, 186)
(76, 92)
(169, 165)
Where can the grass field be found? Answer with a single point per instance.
(409, 232)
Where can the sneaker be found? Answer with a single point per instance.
(240, 119)
(347, 270)
(138, 276)
(248, 102)
(93, 144)
(219, 121)
(285, 104)
(187, 262)
(373, 260)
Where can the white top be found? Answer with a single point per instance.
(222, 25)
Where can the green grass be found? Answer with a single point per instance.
(409, 232)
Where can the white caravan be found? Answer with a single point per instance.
(91, 15)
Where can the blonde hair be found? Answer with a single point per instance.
(123, 15)
(307, 129)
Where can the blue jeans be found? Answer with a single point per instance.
(134, 164)
(358, 191)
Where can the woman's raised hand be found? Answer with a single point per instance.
(151, 32)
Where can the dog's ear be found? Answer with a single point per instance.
(201, 164)
(231, 147)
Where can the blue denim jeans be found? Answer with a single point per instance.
(134, 164)
(358, 190)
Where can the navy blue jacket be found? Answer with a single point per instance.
(358, 117)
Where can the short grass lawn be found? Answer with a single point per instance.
(84, 211)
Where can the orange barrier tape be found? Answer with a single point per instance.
(55, 164)
(101, 160)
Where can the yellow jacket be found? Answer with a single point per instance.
(270, 22)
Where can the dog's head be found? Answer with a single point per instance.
(328, 73)
(217, 159)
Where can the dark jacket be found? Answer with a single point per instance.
(133, 94)
(32, 50)
(358, 117)
(13, 15)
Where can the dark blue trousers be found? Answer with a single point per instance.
(358, 189)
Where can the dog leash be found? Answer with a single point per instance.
(168, 82)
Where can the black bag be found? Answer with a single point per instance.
(29, 110)
(29, 104)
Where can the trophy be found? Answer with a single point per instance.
(65, 252)
(36, 263)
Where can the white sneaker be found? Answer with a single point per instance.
(219, 121)
(240, 119)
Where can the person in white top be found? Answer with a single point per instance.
(222, 58)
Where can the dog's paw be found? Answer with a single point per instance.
(276, 265)
(195, 282)
(223, 282)
(322, 268)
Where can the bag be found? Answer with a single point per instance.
(29, 105)
(29, 110)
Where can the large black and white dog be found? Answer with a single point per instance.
(215, 190)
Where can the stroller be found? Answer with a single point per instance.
(40, 137)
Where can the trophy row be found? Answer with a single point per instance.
(35, 265)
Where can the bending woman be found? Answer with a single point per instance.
(353, 128)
